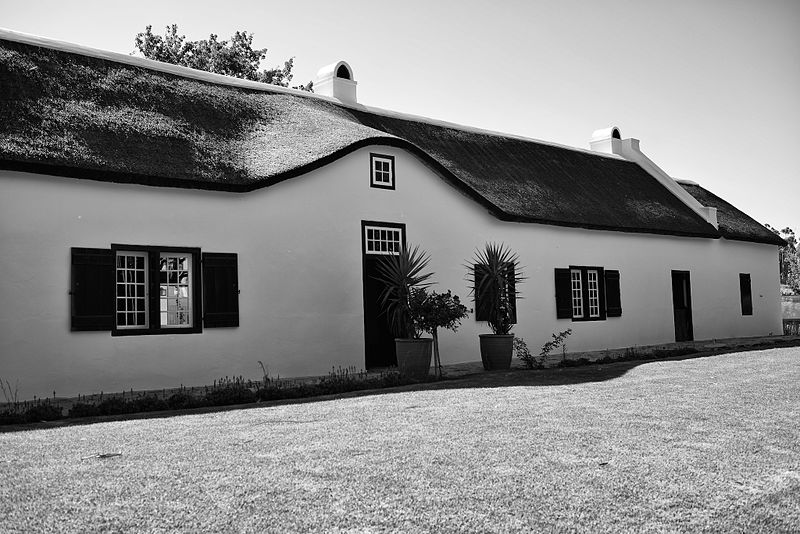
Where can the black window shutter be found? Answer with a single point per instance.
(92, 289)
(220, 290)
(563, 294)
(745, 291)
(512, 293)
(481, 305)
(613, 297)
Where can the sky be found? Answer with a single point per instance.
(711, 88)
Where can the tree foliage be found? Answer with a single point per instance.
(235, 57)
(789, 258)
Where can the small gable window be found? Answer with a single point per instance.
(587, 293)
(381, 171)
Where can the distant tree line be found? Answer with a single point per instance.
(789, 258)
(235, 57)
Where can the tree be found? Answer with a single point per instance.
(236, 57)
(789, 258)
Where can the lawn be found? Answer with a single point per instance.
(704, 444)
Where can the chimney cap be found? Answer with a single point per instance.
(340, 69)
(612, 132)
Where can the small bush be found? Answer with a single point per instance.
(574, 363)
(183, 401)
(226, 396)
(82, 409)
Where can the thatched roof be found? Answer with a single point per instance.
(73, 114)
(733, 223)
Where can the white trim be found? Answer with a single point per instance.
(126, 284)
(375, 158)
(395, 244)
(576, 300)
(163, 301)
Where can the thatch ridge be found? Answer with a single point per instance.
(64, 113)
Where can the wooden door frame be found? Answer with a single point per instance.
(364, 255)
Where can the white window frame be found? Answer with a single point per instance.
(152, 256)
(133, 290)
(593, 288)
(383, 245)
(164, 297)
(576, 293)
(380, 178)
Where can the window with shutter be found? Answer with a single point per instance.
(220, 290)
(587, 293)
(613, 297)
(92, 283)
(137, 290)
(563, 294)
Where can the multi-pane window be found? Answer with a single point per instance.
(131, 295)
(381, 171)
(382, 240)
(142, 290)
(175, 299)
(155, 289)
(594, 293)
(577, 293)
(587, 293)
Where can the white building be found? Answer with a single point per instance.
(162, 226)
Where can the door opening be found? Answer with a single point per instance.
(378, 240)
(682, 305)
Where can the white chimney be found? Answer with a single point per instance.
(606, 140)
(336, 80)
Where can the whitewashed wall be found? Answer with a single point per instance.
(299, 247)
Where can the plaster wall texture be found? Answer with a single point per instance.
(300, 275)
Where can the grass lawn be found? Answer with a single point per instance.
(709, 444)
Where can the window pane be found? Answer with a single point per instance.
(594, 293)
(131, 289)
(176, 293)
(577, 293)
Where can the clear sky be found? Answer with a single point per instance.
(710, 87)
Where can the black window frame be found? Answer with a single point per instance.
(380, 185)
(609, 293)
(93, 289)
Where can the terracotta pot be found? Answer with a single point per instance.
(414, 357)
(496, 351)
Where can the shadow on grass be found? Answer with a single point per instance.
(560, 376)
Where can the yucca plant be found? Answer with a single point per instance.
(495, 274)
(400, 274)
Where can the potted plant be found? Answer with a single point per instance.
(495, 273)
(437, 310)
(401, 274)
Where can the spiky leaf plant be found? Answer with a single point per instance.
(495, 274)
(400, 274)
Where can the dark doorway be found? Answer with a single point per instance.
(378, 240)
(682, 305)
